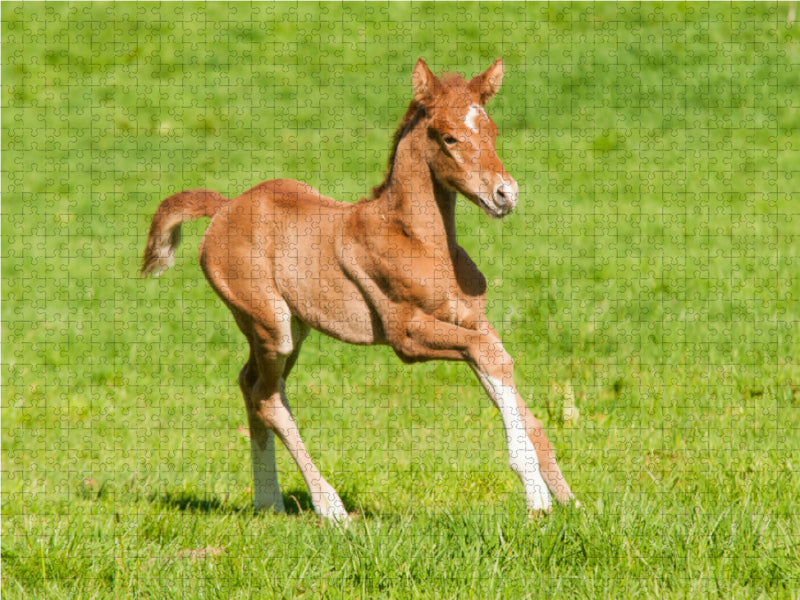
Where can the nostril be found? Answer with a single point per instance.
(504, 195)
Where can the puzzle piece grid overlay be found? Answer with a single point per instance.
(646, 285)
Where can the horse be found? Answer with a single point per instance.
(384, 270)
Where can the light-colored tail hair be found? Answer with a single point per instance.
(165, 229)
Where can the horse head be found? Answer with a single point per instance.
(460, 148)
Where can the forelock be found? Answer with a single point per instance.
(453, 80)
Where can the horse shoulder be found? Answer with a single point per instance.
(401, 277)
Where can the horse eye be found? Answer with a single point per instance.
(449, 139)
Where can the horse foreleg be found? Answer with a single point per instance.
(548, 467)
(531, 455)
(523, 457)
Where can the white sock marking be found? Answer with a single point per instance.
(266, 489)
(521, 454)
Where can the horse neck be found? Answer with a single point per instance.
(416, 201)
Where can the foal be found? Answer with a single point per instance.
(386, 270)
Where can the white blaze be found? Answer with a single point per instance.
(471, 120)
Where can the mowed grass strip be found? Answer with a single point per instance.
(646, 287)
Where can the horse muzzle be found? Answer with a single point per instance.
(503, 199)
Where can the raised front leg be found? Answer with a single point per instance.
(523, 457)
(531, 455)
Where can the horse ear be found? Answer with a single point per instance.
(424, 83)
(487, 83)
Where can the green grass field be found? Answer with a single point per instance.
(649, 277)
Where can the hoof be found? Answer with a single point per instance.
(539, 500)
(331, 508)
(338, 519)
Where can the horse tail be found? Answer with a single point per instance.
(165, 230)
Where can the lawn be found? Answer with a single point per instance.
(646, 286)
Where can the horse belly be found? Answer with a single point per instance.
(334, 306)
(320, 294)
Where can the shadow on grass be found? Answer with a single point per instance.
(191, 502)
(296, 501)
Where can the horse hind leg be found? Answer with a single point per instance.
(269, 407)
(266, 487)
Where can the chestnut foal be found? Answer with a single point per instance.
(386, 270)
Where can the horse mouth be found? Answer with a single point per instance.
(495, 212)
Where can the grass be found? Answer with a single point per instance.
(648, 276)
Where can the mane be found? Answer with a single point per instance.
(413, 114)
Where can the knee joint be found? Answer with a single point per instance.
(494, 359)
(405, 346)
